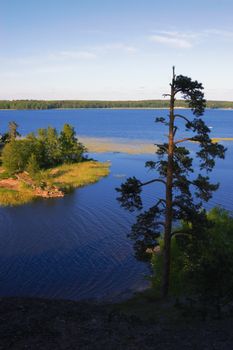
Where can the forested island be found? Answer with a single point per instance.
(63, 104)
(46, 164)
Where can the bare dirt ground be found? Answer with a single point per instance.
(53, 324)
(11, 184)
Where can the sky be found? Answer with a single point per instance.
(114, 49)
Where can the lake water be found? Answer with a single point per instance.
(76, 247)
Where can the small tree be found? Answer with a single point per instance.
(52, 145)
(71, 149)
(15, 156)
(184, 195)
(33, 167)
(13, 132)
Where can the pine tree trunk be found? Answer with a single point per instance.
(168, 214)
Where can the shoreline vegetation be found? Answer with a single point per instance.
(73, 104)
(44, 164)
(21, 188)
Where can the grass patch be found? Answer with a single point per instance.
(10, 197)
(4, 175)
(65, 177)
(77, 175)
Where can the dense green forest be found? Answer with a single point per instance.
(42, 104)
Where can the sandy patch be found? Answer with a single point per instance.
(103, 145)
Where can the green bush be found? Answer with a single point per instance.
(202, 266)
(15, 156)
(178, 287)
(33, 167)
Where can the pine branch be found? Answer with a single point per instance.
(175, 130)
(182, 117)
(151, 181)
(185, 139)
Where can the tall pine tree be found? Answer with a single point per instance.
(183, 194)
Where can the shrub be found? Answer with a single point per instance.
(202, 266)
(15, 156)
(33, 167)
(178, 287)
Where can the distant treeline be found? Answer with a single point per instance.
(42, 104)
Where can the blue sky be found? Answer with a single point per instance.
(113, 49)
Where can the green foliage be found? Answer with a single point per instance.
(49, 147)
(4, 175)
(45, 150)
(15, 156)
(33, 167)
(210, 261)
(178, 285)
(202, 267)
(39, 104)
(11, 134)
(71, 150)
(53, 147)
(184, 194)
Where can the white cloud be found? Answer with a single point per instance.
(173, 39)
(188, 40)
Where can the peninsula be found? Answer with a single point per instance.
(45, 165)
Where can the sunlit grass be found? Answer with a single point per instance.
(78, 175)
(9, 197)
(64, 177)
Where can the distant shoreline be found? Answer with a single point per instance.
(105, 104)
(111, 108)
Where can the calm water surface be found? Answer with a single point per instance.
(76, 247)
(131, 124)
